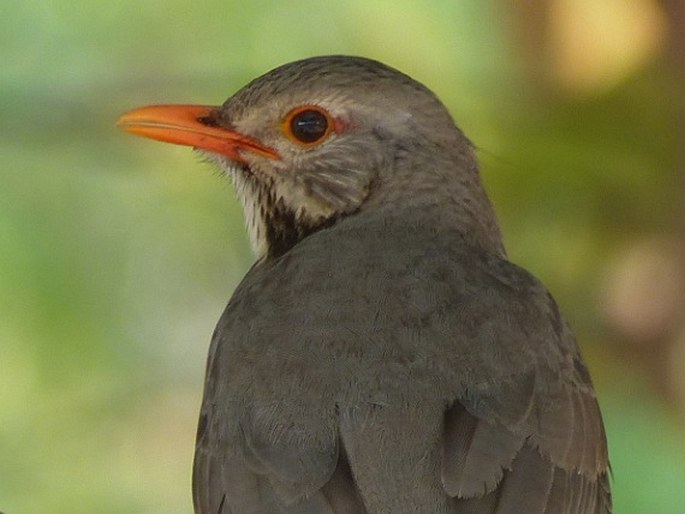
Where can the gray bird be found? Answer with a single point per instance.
(382, 355)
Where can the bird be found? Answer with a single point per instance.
(382, 355)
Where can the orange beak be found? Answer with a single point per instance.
(191, 125)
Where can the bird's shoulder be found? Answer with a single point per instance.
(384, 277)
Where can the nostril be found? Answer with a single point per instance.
(209, 120)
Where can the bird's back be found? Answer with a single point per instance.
(387, 365)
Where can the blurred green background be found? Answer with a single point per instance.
(117, 255)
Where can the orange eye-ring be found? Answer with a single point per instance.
(308, 125)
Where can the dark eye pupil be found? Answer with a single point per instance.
(309, 126)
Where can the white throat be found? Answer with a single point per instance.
(248, 193)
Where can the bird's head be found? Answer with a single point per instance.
(316, 140)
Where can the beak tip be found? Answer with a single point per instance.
(127, 120)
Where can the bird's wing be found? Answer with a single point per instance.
(488, 468)
(230, 485)
(267, 441)
(526, 433)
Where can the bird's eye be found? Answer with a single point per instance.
(308, 125)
